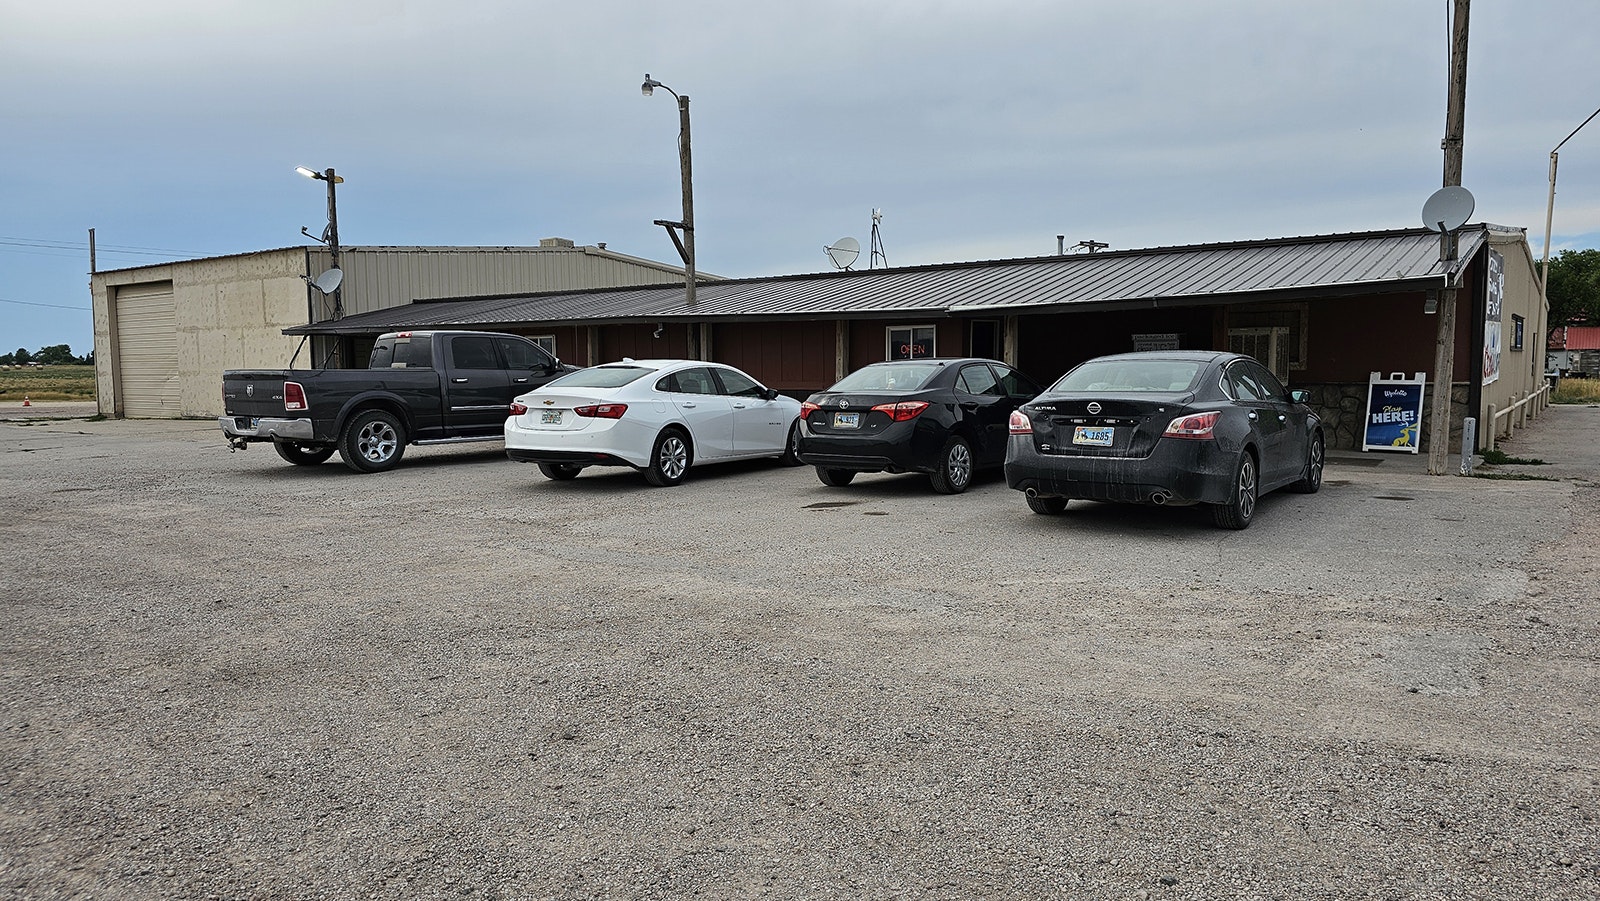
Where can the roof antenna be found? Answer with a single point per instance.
(877, 242)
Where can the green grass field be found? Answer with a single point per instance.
(47, 383)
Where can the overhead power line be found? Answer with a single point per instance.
(58, 306)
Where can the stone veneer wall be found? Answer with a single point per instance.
(1342, 407)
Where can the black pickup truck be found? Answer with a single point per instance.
(418, 388)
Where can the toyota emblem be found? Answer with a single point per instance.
(1094, 406)
(844, 402)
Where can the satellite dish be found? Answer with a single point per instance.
(328, 282)
(1448, 209)
(843, 252)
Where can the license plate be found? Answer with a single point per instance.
(1094, 436)
(847, 420)
(549, 417)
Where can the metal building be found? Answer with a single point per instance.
(163, 333)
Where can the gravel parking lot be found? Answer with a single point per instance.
(225, 677)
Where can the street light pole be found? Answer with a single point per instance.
(1550, 209)
(332, 236)
(686, 226)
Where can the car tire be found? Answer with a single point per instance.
(1240, 507)
(954, 471)
(791, 447)
(835, 478)
(669, 459)
(372, 441)
(1046, 506)
(303, 454)
(560, 472)
(1316, 459)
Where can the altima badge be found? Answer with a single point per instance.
(1094, 406)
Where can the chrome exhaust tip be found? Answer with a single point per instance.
(1160, 497)
(1031, 493)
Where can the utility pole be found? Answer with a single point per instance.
(1444, 359)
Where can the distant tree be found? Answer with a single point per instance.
(7, 359)
(22, 357)
(1574, 289)
(87, 359)
(55, 354)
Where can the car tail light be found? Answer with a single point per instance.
(602, 411)
(807, 408)
(902, 411)
(1020, 424)
(518, 408)
(294, 396)
(1197, 425)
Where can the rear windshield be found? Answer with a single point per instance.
(893, 378)
(1131, 375)
(600, 377)
(402, 352)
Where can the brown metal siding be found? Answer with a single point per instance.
(789, 356)
(640, 343)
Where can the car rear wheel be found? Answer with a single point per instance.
(373, 441)
(1315, 458)
(791, 448)
(835, 478)
(1241, 503)
(1046, 506)
(560, 472)
(303, 454)
(669, 459)
(954, 472)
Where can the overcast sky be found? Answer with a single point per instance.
(981, 128)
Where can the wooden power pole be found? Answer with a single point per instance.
(1444, 360)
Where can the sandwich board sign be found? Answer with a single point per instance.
(1394, 412)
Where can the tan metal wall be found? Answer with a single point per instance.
(230, 312)
(380, 278)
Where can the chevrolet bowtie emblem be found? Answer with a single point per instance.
(549, 403)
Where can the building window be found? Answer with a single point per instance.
(984, 339)
(548, 342)
(908, 342)
(1516, 332)
(1286, 322)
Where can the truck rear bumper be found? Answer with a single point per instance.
(265, 429)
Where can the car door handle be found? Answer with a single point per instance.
(459, 381)
(687, 403)
(521, 380)
(738, 406)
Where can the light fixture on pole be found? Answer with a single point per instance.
(330, 235)
(685, 244)
(1550, 209)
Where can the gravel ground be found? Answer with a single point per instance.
(225, 677)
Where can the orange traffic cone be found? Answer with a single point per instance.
(25, 402)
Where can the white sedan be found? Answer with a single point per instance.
(658, 416)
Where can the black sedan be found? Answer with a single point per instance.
(944, 417)
(1165, 427)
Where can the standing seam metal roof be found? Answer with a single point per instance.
(1348, 263)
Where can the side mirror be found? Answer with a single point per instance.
(770, 394)
(1299, 396)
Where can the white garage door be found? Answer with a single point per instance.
(147, 350)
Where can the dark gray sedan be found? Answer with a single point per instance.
(1165, 427)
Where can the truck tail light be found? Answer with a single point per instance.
(1020, 424)
(294, 396)
(1199, 426)
(602, 411)
(902, 411)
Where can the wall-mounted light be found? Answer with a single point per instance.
(1430, 303)
(659, 329)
